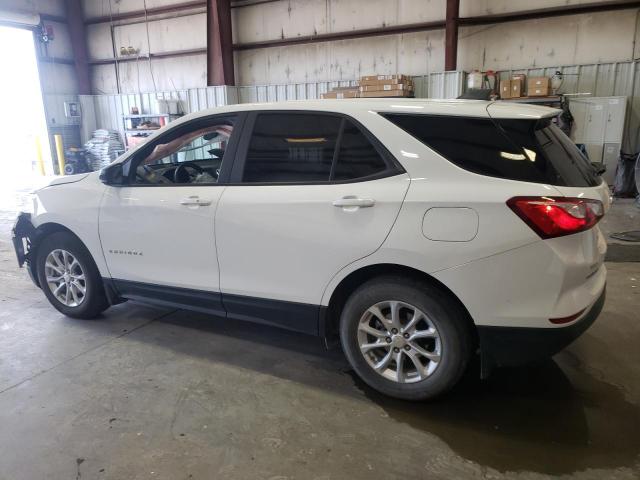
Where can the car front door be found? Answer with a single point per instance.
(310, 192)
(157, 229)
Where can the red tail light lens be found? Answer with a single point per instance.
(553, 217)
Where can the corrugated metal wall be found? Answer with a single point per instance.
(600, 80)
(606, 79)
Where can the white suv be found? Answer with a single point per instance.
(419, 232)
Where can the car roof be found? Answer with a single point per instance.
(352, 106)
(468, 108)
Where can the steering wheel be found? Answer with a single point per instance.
(181, 174)
(151, 176)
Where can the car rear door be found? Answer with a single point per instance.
(310, 193)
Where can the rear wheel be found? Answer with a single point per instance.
(69, 277)
(405, 339)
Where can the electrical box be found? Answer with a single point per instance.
(72, 109)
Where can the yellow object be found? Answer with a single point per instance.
(60, 152)
(40, 160)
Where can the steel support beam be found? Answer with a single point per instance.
(219, 43)
(180, 7)
(593, 7)
(578, 9)
(173, 54)
(451, 35)
(329, 37)
(77, 34)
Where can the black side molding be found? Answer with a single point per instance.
(197, 300)
(299, 317)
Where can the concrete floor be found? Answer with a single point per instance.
(151, 393)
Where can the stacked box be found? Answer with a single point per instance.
(539, 86)
(521, 78)
(505, 89)
(342, 92)
(372, 86)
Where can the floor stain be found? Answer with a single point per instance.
(532, 418)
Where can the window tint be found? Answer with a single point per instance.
(290, 148)
(357, 157)
(526, 150)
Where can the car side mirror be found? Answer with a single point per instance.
(113, 175)
(599, 167)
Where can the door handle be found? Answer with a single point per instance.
(353, 201)
(194, 200)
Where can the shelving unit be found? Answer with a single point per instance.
(131, 133)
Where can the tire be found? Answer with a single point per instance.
(442, 332)
(82, 274)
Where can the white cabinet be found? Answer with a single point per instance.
(598, 120)
(616, 110)
(610, 156)
(594, 127)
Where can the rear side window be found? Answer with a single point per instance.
(526, 150)
(357, 157)
(309, 148)
(291, 148)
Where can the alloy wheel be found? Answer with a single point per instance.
(399, 341)
(65, 278)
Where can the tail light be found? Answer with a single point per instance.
(553, 217)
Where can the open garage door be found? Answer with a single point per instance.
(25, 152)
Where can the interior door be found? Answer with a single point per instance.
(310, 194)
(157, 230)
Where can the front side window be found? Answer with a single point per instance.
(309, 148)
(188, 155)
(516, 149)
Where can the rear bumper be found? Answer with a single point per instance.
(510, 346)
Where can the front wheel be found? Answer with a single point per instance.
(405, 339)
(69, 277)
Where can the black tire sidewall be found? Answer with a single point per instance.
(444, 313)
(95, 300)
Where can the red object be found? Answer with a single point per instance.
(552, 217)
(568, 319)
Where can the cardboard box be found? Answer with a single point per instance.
(516, 88)
(539, 86)
(523, 82)
(383, 87)
(540, 82)
(538, 92)
(386, 93)
(385, 79)
(368, 78)
(340, 94)
(505, 88)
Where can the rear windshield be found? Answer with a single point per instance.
(526, 150)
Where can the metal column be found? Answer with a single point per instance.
(219, 43)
